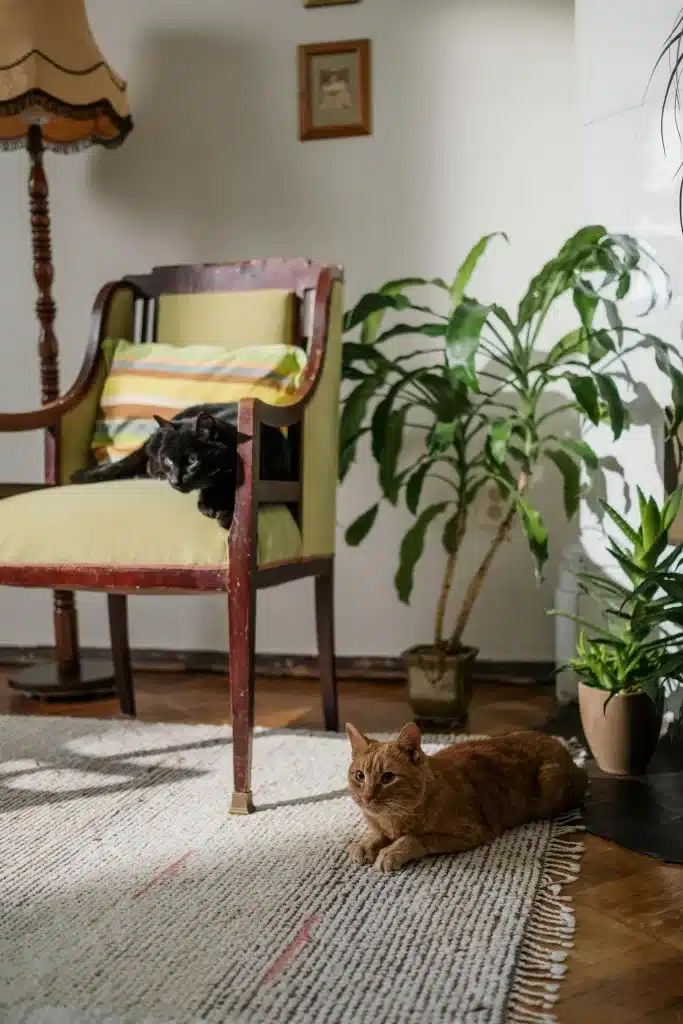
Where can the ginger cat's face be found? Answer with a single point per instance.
(386, 777)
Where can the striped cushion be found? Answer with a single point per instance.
(165, 379)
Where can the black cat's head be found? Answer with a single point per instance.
(192, 456)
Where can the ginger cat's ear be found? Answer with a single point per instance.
(409, 740)
(359, 742)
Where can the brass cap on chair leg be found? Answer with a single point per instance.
(242, 803)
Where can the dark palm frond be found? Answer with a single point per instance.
(672, 50)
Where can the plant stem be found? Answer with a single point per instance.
(477, 581)
(448, 576)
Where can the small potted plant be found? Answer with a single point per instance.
(469, 406)
(624, 663)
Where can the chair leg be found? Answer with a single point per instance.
(120, 649)
(66, 634)
(324, 617)
(242, 628)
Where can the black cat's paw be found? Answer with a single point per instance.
(207, 510)
(225, 519)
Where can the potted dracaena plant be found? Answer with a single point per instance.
(624, 661)
(473, 394)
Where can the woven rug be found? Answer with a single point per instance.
(128, 895)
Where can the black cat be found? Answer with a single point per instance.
(197, 451)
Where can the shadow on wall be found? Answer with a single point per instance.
(203, 160)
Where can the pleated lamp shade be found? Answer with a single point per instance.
(52, 73)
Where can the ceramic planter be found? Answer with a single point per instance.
(622, 736)
(439, 685)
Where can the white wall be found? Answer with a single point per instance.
(627, 181)
(475, 130)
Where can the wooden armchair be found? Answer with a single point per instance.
(99, 536)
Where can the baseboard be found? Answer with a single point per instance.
(289, 666)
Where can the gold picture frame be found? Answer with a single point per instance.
(335, 97)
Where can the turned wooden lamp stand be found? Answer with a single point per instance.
(56, 92)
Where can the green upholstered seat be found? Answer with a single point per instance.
(128, 523)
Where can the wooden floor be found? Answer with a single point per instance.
(627, 963)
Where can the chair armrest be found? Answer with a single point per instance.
(49, 414)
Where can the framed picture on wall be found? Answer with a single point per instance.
(328, 3)
(335, 99)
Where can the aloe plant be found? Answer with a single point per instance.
(475, 390)
(630, 649)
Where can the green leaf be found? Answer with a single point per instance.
(663, 361)
(388, 459)
(414, 486)
(412, 548)
(370, 303)
(650, 524)
(581, 449)
(624, 286)
(670, 510)
(586, 395)
(372, 307)
(629, 247)
(464, 275)
(572, 344)
(369, 354)
(599, 344)
(442, 436)
(360, 527)
(571, 477)
(613, 318)
(589, 235)
(463, 336)
(380, 419)
(577, 254)
(497, 441)
(627, 530)
(536, 534)
(355, 407)
(593, 580)
(586, 302)
(610, 395)
(347, 455)
(429, 329)
(351, 428)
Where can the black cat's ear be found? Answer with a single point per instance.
(205, 426)
(165, 424)
(241, 438)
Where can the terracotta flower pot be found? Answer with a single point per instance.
(439, 685)
(622, 736)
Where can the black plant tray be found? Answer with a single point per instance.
(642, 813)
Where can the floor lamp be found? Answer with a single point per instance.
(56, 92)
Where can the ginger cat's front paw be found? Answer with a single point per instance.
(391, 859)
(365, 851)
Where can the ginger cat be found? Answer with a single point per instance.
(417, 804)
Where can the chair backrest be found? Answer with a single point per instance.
(260, 302)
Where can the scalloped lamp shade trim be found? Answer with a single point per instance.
(51, 69)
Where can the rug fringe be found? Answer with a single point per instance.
(549, 934)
